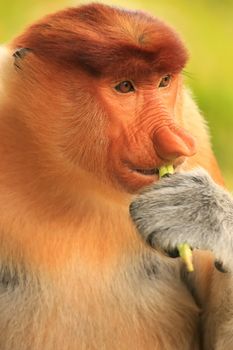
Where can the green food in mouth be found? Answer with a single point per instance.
(166, 170)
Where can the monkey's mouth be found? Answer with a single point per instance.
(136, 177)
(154, 172)
(147, 172)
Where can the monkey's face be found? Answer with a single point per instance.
(105, 92)
(145, 127)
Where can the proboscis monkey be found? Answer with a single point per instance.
(91, 105)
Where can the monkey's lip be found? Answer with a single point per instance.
(147, 172)
(142, 169)
(136, 177)
(154, 171)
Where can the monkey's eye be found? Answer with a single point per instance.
(124, 87)
(165, 81)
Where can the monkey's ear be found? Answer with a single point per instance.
(19, 54)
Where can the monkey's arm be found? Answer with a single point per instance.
(192, 208)
(188, 208)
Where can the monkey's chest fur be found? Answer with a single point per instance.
(113, 309)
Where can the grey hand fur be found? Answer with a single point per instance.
(190, 208)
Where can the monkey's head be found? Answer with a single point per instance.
(100, 88)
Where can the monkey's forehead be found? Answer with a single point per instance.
(104, 40)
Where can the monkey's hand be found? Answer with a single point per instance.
(189, 208)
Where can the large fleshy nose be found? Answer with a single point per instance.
(173, 141)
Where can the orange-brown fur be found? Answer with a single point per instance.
(64, 197)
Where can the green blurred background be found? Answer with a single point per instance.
(207, 28)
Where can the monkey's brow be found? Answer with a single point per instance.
(104, 54)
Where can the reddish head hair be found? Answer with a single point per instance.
(97, 38)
